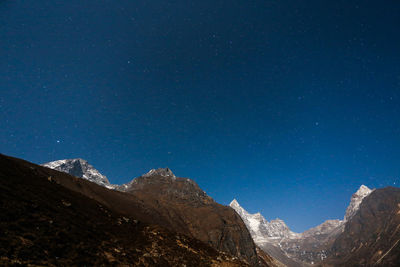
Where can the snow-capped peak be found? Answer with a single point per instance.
(264, 231)
(165, 172)
(79, 168)
(234, 203)
(57, 163)
(260, 229)
(241, 211)
(363, 191)
(356, 200)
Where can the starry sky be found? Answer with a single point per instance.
(287, 106)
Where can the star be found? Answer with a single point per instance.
(58, 141)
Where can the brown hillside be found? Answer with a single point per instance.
(44, 223)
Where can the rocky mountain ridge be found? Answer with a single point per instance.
(170, 202)
(179, 204)
(308, 247)
(260, 228)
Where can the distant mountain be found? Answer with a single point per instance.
(79, 168)
(296, 249)
(261, 230)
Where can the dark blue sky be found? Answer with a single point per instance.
(289, 106)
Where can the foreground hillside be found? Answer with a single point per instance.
(45, 223)
(175, 203)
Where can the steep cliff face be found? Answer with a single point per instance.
(372, 234)
(356, 200)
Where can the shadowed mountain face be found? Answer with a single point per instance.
(44, 223)
(190, 212)
(188, 209)
(372, 234)
(179, 204)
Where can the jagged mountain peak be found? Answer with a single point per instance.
(363, 190)
(80, 168)
(277, 239)
(234, 202)
(164, 182)
(260, 229)
(239, 209)
(66, 161)
(165, 172)
(356, 200)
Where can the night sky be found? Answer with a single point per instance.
(287, 106)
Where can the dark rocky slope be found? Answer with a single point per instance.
(189, 210)
(133, 206)
(372, 236)
(44, 223)
(178, 204)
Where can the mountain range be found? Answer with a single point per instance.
(354, 241)
(295, 249)
(66, 212)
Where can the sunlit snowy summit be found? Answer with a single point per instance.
(260, 229)
(79, 168)
(356, 200)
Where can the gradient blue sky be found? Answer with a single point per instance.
(288, 106)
